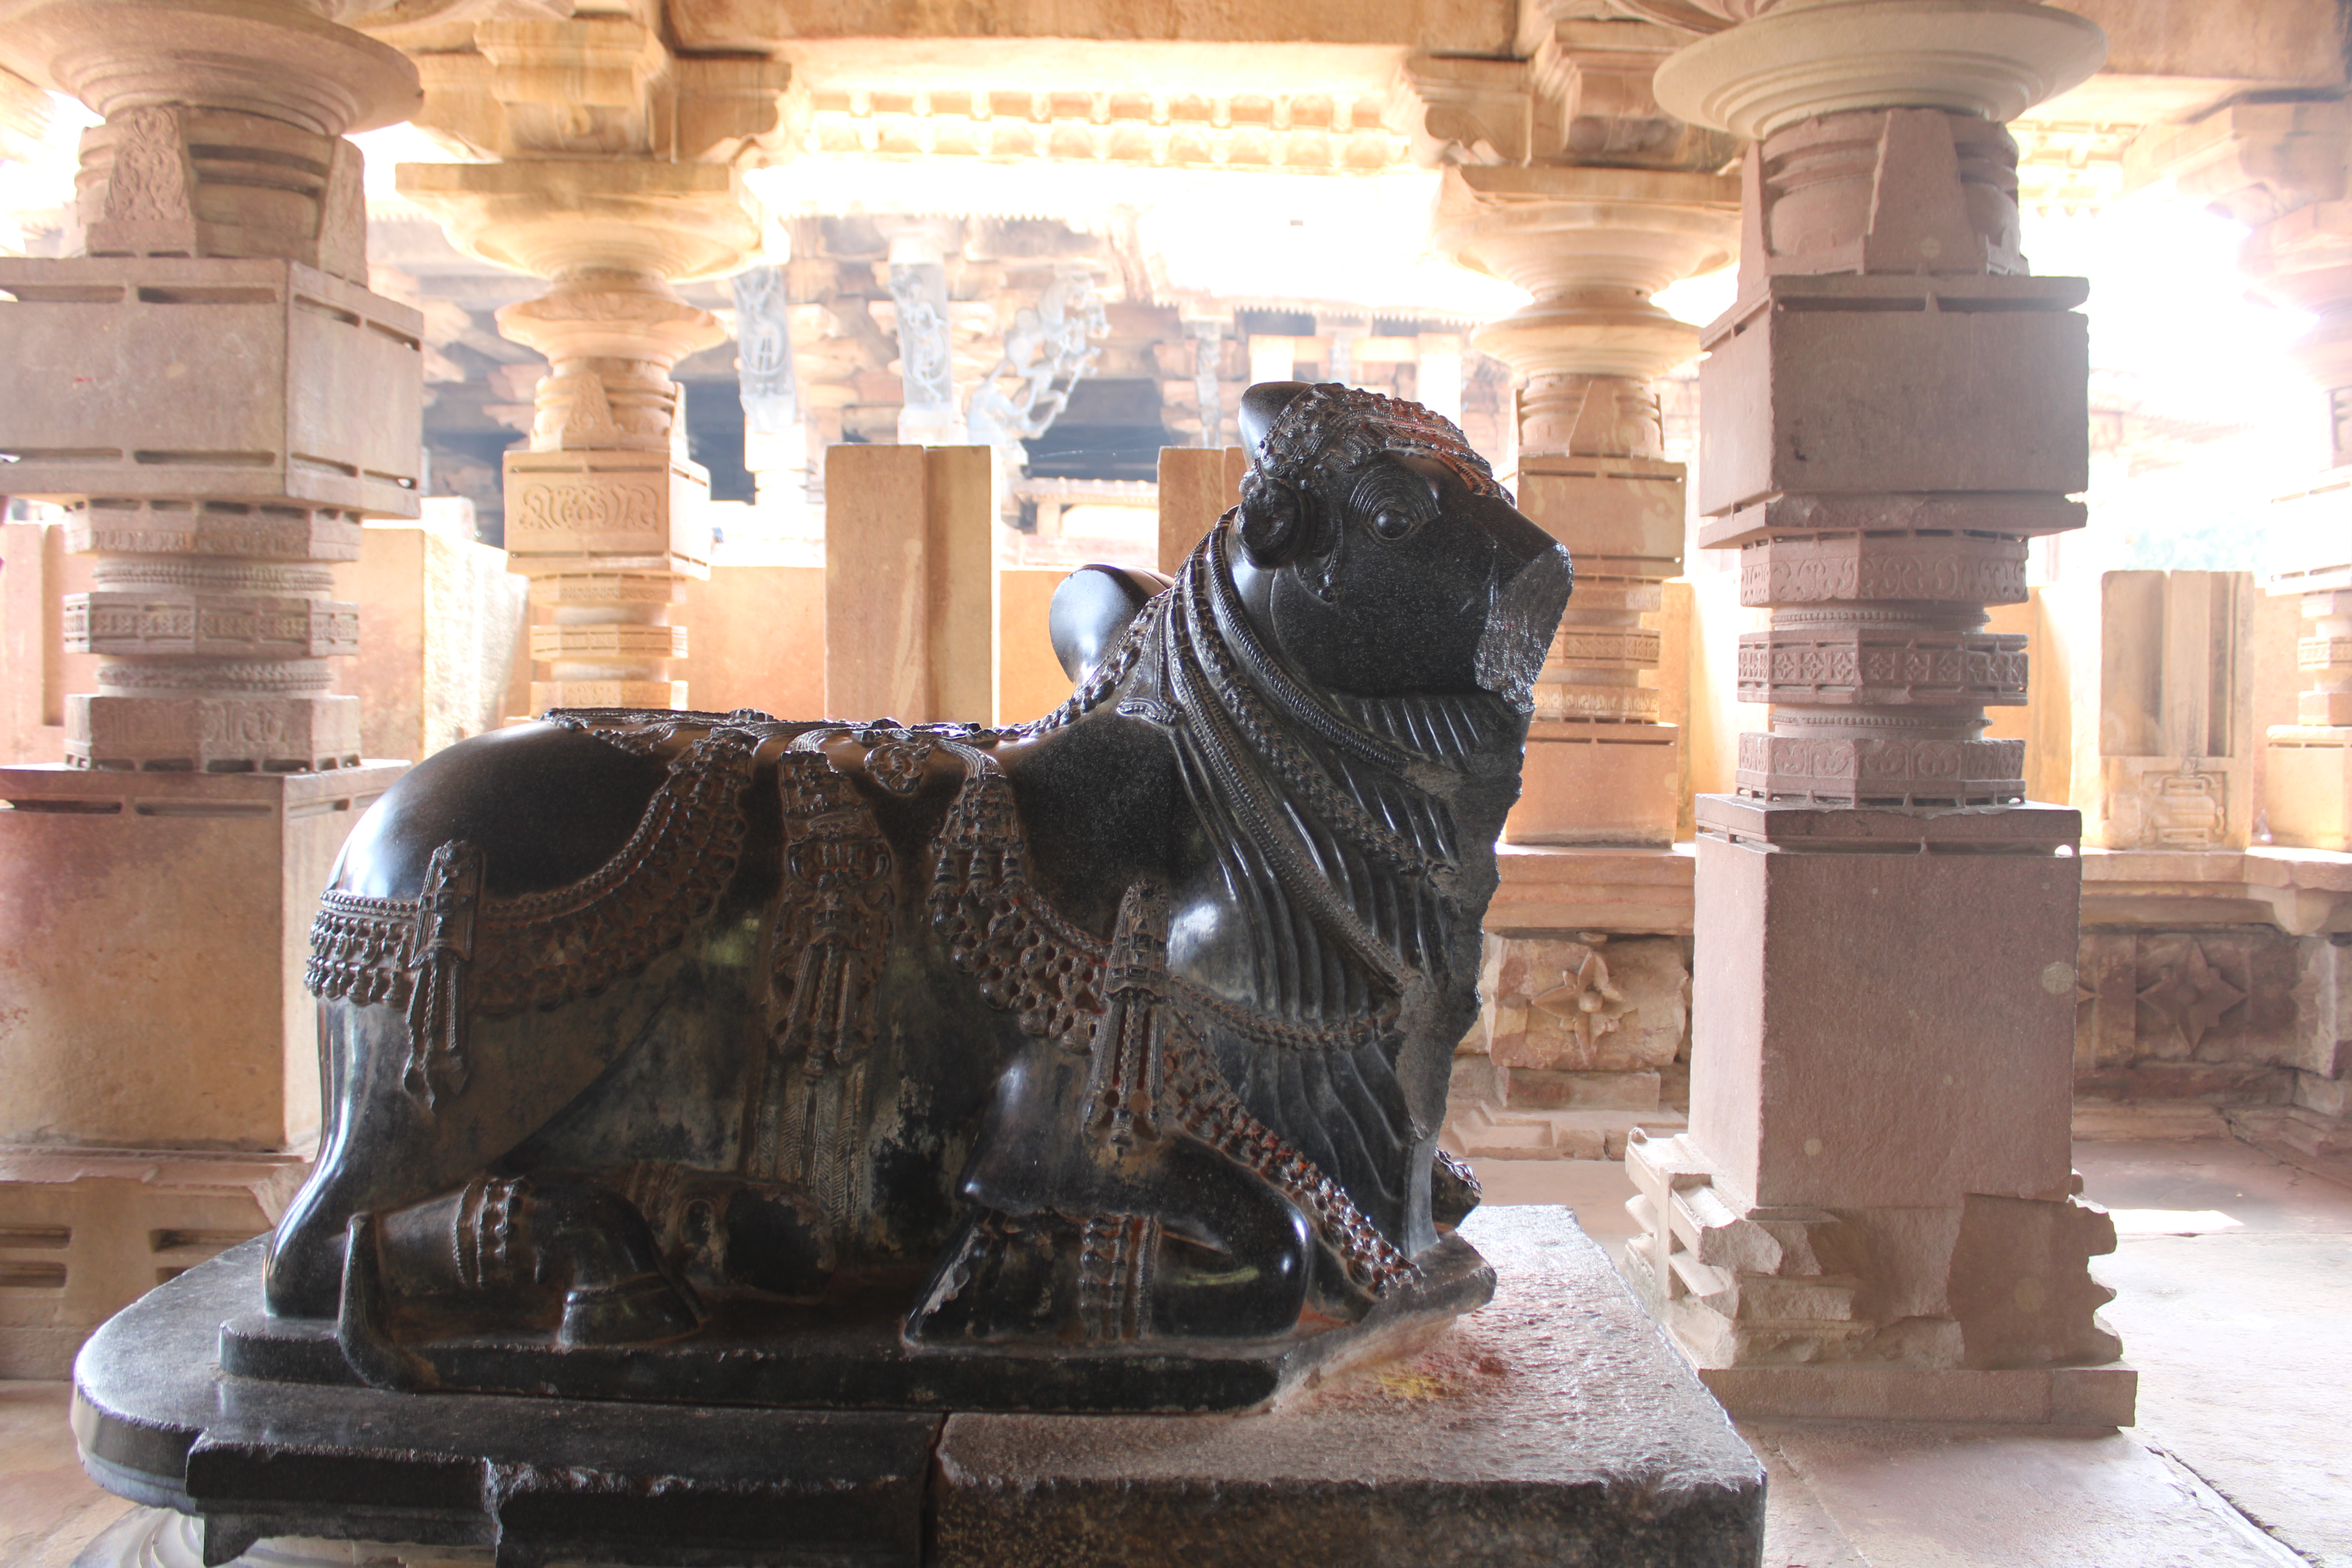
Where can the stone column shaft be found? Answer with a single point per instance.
(1871, 1214)
(218, 400)
(615, 179)
(210, 387)
(1592, 245)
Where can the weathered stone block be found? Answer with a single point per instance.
(442, 616)
(1598, 784)
(1460, 1456)
(1863, 1048)
(1898, 383)
(252, 380)
(139, 897)
(1595, 1005)
(85, 1233)
(1541, 1091)
(910, 613)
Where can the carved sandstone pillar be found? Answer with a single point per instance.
(1871, 1214)
(618, 179)
(218, 399)
(1592, 245)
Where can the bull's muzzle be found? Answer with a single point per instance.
(1519, 626)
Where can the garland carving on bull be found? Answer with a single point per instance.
(687, 1055)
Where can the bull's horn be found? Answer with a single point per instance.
(1263, 404)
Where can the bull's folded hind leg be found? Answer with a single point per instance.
(564, 1257)
(1200, 1250)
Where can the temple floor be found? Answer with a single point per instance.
(2241, 1456)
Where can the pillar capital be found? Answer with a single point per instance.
(1592, 245)
(280, 59)
(556, 217)
(1801, 59)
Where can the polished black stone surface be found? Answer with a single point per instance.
(1090, 1064)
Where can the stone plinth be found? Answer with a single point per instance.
(909, 568)
(156, 929)
(1877, 1168)
(1555, 1425)
(86, 1232)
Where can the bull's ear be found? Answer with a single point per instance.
(1274, 520)
(1273, 514)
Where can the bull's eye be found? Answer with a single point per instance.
(1394, 501)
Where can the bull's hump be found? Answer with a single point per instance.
(548, 805)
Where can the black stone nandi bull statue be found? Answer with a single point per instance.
(690, 1055)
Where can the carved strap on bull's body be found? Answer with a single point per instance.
(834, 920)
(1123, 1083)
(1208, 1109)
(998, 927)
(473, 956)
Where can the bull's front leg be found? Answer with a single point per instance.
(1096, 1216)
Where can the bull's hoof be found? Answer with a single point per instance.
(638, 1310)
(997, 1282)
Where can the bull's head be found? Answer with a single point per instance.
(1379, 553)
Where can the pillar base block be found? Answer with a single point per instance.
(2055, 1397)
(86, 1232)
(1598, 784)
(158, 925)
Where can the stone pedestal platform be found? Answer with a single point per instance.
(1555, 1425)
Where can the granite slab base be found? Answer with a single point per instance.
(1554, 1426)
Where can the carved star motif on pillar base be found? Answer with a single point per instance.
(2190, 995)
(1586, 1001)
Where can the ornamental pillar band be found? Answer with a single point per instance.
(1872, 1212)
